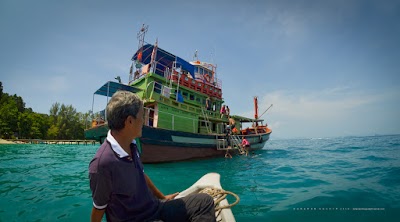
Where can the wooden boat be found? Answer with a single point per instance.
(182, 109)
(212, 180)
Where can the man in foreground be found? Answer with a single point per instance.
(120, 188)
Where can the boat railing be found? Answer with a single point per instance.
(222, 142)
(163, 93)
(152, 120)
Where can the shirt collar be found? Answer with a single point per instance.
(116, 147)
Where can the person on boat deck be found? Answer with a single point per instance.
(119, 186)
(208, 103)
(228, 140)
(228, 133)
(232, 123)
(222, 111)
(227, 111)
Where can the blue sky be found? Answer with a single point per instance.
(330, 68)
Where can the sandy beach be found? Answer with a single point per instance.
(6, 142)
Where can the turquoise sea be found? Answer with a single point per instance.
(327, 179)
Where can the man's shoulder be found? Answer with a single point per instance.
(102, 158)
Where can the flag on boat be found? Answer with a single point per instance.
(139, 57)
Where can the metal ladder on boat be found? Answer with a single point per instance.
(207, 121)
(236, 143)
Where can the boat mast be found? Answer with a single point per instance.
(256, 109)
(140, 37)
(138, 62)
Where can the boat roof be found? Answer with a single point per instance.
(109, 88)
(245, 119)
(164, 59)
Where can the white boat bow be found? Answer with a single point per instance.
(210, 180)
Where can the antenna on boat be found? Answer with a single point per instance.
(140, 37)
(213, 55)
(196, 56)
(153, 59)
(138, 62)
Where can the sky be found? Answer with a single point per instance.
(330, 68)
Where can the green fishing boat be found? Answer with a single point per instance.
(183, 102)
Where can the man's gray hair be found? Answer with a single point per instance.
(122, 105)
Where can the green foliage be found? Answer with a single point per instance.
(52, 132)
(8, 116)
(63, 121)
(66, 122)
(1, 89)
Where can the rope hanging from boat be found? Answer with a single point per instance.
(219, 195)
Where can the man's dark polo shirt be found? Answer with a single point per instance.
(118, 184)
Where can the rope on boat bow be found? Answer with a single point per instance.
(219, 195)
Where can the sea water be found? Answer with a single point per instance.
(326, 179)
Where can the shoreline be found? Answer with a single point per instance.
(2, 141)
(38, 141)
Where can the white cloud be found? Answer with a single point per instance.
(316, 104)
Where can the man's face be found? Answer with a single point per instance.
(137, 124)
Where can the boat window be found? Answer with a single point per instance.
(191, 96)
(157, 87)
(198, 100)
(201, 71)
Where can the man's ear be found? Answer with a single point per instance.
(129, 119)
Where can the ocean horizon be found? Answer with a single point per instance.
(352, 178)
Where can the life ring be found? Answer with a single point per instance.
(207, 78)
